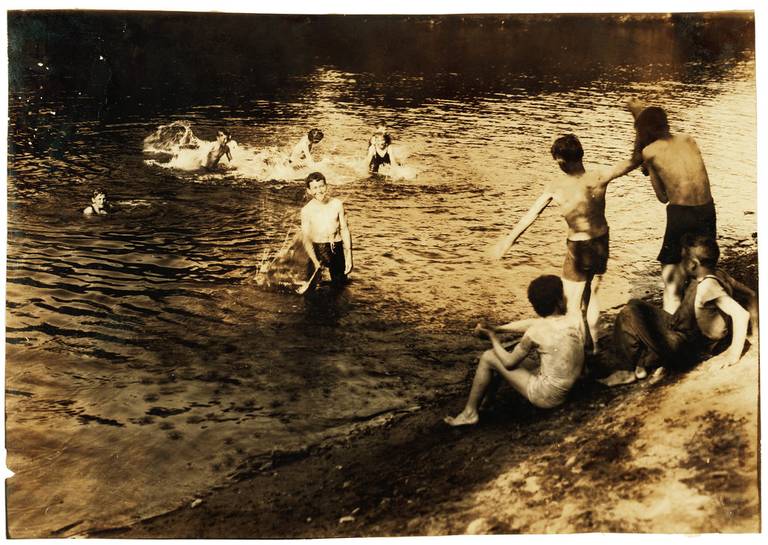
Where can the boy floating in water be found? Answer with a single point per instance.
(581, 196)
(647, 336)
(98, 204)
(557, 338)
(325, 232)
(302, 152)
(380, 153)
(680, 180)
(219, 149)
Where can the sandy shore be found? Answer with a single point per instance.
(679, 455)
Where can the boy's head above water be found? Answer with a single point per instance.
(98, 197)
(223, 133)
(381, 141)
(546, 295)
(315, 135)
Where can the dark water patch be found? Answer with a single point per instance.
(88, 418)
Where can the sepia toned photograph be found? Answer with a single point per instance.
(311, 275)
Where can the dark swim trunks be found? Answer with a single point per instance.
(378, 160)
(331, 255)
(682, 220)
(585, 258)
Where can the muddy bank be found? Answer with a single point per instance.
(679, 455)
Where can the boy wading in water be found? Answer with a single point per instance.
(708, 320)
(680, 180)
(325, 233)
(380, 153)
(581, 196)
(556, 337)
(219, 149)
(302, 151)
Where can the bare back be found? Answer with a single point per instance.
(676, 164)
(320, 221)
(582, 203)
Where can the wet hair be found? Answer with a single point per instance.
(650, 126)
(315, 177)
(567, 147)
(225, 132)
(98, 191)
(315, 135)
(546, 294)
(702, 247)
(387, 139)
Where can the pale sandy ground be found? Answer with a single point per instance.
(691, 463)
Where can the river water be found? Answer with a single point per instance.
(147, 359)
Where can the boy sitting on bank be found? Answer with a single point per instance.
(708, 317)
(680, 180)
(219, 149)
(556, 337)
(302, 151)
(581, 196)
(325, 232)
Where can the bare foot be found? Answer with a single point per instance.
(658, 374)
(462, 419)
(618, 377)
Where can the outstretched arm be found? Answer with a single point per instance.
(346, 239)
(518, 326)
(624, 167)
(523, 223)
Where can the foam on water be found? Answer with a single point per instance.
(175, 146)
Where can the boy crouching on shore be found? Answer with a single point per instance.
(557, 337)
(709, 319)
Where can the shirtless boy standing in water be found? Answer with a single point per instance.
(680, 180)
(581, 196)
(325, 232)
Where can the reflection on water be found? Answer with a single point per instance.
(143, 347)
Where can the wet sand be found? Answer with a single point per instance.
(679, 455)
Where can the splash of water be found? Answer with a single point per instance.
(285, 268)
(176, 147)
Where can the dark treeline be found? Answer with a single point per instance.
(160, 60)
